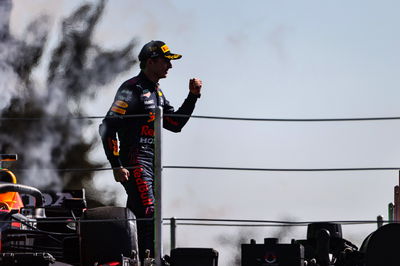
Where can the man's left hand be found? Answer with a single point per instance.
(195, 86)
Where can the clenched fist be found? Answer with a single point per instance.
(195, 86)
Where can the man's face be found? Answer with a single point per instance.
(159, 66)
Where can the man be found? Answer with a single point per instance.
(132, 160)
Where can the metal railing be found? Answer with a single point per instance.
(394, 209)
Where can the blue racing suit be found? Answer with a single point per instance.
(135, 150)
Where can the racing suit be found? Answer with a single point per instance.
(135, 151)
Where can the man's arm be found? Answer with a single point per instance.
(123, 103)
(108, 134)
(175, 124)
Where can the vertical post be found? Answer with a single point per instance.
(173, 233)
(158, 125)
(379, 221)
(390, 212)
(397, 203)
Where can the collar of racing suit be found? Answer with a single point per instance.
(148, 83)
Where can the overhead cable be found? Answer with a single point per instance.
(206, 117)
(295, 119)
(209, 222)
(69, 117)
(202, 221)
(282, 169)
(222, 168)
(76, 169)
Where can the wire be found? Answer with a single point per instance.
(220, 168)
(236, 225)
(206, 117)
(69, 221)
(274, 222)
(282, 169)
(70, 117)
(293, 119)
(257, 225)
(197, 222)
(76, 169)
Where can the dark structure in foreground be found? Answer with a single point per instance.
(325, 246)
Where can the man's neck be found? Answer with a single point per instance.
(151, 76)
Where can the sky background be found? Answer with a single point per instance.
(264, 59)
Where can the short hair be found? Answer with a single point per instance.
(142, 64)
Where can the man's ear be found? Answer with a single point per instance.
(150, 61)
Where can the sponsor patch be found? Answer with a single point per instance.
(165, 48)
(147, 94)
(173, 57)
(115, 147)
(147, 131)
(146, 140)
(121, 104)
(159, 93)
(125, 95)
(152, 117)
(143, 187)
(118, 110)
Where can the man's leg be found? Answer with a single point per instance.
(145, 224)
(141, 202)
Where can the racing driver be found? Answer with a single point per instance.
(132, 157)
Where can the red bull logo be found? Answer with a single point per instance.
(143, 187)
(147, 131)
(165, 48)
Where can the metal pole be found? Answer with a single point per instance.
(173, 233)
(379, 221)
(390, 212)
(396, 204)
(158, 125)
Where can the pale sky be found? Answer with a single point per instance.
(266, 59)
